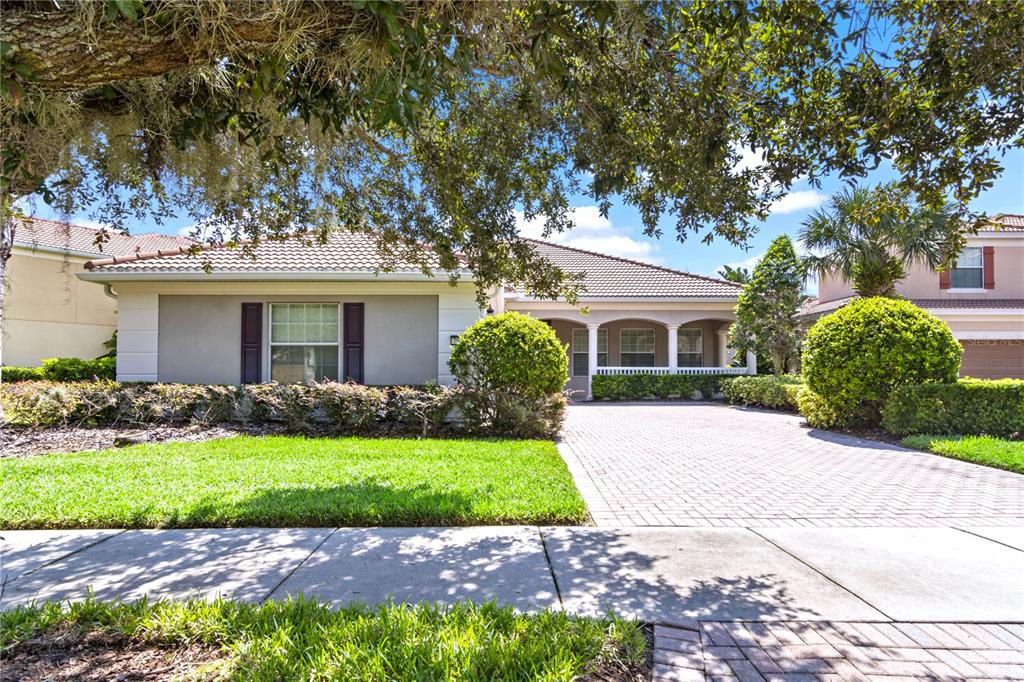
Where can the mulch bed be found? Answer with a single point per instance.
(96, 656)
(26, 442)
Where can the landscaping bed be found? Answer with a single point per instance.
(293, 481)
(29, 441)
(306, 640)
(993, 452)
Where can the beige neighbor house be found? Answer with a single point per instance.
(981, 298)
(300, 313)
(49, 311)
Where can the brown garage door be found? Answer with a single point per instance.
(993, 359)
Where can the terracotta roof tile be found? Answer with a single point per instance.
(614, 277)
(343, 251)
(813, 307)
(50, 234)
(1009, 222)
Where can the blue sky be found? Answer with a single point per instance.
(620, 233)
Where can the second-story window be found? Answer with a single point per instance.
(968, 271)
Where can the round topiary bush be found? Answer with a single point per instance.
(854, 357)
(510, 352)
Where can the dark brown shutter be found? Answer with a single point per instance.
(252, 342)
(944, 279)
(988, 259)
(353, 342)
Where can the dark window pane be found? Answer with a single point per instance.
(303, 364)
(579, 364)
(691, 360)
(637, 359)
(966, 278)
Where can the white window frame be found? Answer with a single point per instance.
(700, 338)
(654, 345)
(980, 268)
(270, 334)
(585, 352)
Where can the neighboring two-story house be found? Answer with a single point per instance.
(981, 298)
(49, 312)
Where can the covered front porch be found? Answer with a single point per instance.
(665, 338)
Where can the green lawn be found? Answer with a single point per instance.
(291, 481)
(993, 452)
(304, 640)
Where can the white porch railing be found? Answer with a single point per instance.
(606, 371)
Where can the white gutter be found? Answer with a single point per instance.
(627, 299)
(980, 312)
(262, 275)
(92, 255)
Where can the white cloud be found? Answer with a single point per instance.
(593, 232)
(186, 231)
(794, 202)
(616, 245)
(749, 159)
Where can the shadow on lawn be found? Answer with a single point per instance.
(364, 503)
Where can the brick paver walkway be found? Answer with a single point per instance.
(852, 652)
(699, 464)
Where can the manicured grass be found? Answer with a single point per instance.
(303, 640)
(292, 481)
(993, 452)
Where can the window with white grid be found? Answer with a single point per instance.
(636, 348)
(690, 351)
(303, 342)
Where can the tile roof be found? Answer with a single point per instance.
(1009, 222)
(50, 234)
(813, 307)
(342, 252)
(614, 277)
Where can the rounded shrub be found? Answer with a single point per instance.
(854, 357)
(511, 352)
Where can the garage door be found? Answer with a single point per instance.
(993, 359)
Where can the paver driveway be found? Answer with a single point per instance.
(702, 464)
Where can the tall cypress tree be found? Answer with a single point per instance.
(766, 316)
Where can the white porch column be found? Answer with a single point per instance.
(591, 357)
(723, 347)
(673, 347)
(751, 362)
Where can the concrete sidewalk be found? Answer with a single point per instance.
(668, 575)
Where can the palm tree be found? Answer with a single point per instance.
(870, 236)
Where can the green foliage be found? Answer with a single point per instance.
(766, 316)
(64, 369)
(870, 236)
(855, 356)
(775, 392)
(993, 452)
(304, 639)
(662, 386)
(970, 407)
(12, 374)
(77, 369)
(343, 408)
(292, 481)
(738, 275)
(821, 414)
(510, 352)
(437, 121)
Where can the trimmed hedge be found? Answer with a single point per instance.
(13, 374)
(63, 369)
(774, 392)
(970, 407)
(662, 386)
(855, 356)
(343, 408)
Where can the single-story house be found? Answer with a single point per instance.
(295, 312)
(981, 298)
(48, 311)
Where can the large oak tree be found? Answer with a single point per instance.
(433, 121)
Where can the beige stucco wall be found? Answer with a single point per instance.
(921, 282)
(49, 312)
(199, 336)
